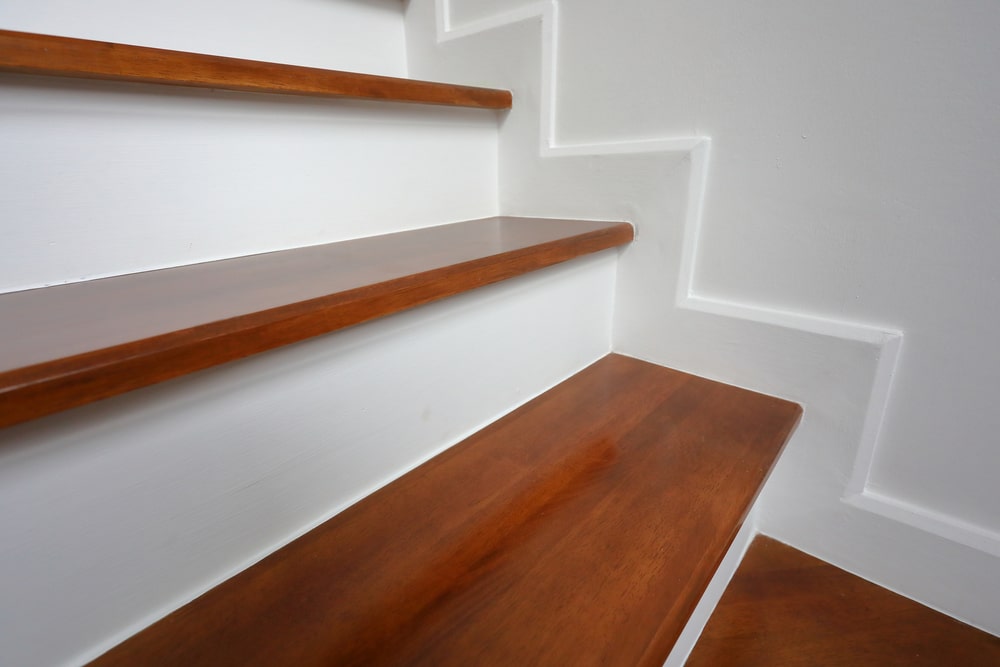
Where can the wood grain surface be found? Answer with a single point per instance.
(30, 53)
(581, 529)
(786, 608)
(73, 344)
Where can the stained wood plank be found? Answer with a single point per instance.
(69, 345)
(784, 607)
(31, 53)
(580, 529)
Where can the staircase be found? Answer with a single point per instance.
(581, 528)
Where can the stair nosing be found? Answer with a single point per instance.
(50, 55)
(57, 380)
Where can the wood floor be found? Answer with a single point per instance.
(784, 608)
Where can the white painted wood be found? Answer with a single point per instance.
(104, 179)
(793, 262)
(710, 599)
(117, 513)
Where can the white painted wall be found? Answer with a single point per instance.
(116, 513)
(470, 11)
(854, 176)
(813, 188)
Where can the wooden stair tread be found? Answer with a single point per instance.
(30, 53)
(72, 344)
(784, 607)
(581, 529)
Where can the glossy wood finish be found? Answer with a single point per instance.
(31, 53)
(580, 529)
(786, 608)
(69, 345)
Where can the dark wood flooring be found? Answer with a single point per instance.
(785, 608)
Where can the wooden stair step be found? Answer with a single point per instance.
(30, 53)
(581, 529)
(69, 345)
(784, 607)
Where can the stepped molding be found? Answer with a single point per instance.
(888, 341)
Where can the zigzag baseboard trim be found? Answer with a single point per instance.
(697, 149)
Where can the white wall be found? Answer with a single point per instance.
(853, 176)
(831, 243)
